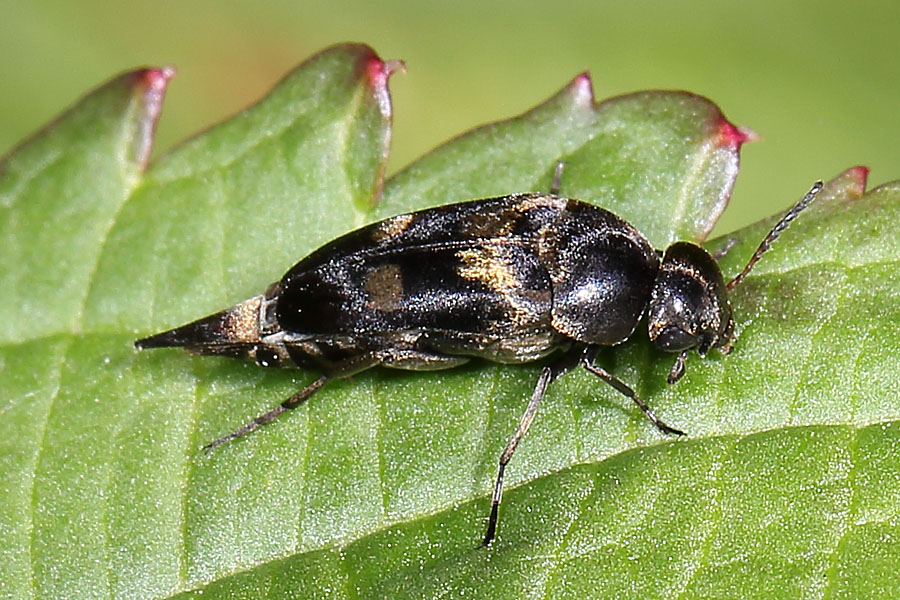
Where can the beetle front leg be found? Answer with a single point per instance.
(587, 363)
(677, 370)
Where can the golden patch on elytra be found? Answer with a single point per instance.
(241, 321)
(490, 265)
(486, 225)
(533, 201)
(384, 286)
(392, 227)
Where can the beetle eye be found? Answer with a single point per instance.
(675, 339)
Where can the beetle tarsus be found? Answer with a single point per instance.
(495, 509)
(245, 429)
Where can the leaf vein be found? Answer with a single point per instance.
(714, 517)
(184, 489)
(692, 178)
(557, 558)
(37, 461)
(8, 200)
(805, 364)
(379, 412)
(831, 574)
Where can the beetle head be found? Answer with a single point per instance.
(689, 305)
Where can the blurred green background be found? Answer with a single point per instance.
(819, 81)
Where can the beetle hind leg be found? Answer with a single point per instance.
(267, 417)
(518, 434)
(414, 360)
(344, 368)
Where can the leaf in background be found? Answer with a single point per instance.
(59, 196)
(379, 487)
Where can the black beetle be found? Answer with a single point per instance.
(510, 279)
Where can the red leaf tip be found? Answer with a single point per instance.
(378, 72)
(729, 135)
(856, 179)
(582, 89)
(393, 65)
(157, 79)
(860, 173)
(154, 83)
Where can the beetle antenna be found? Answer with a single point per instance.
(776, 231)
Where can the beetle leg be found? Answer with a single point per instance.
(292, 402)
(414, 360)
(678, 368)
(627, 391)
(344, 368)
(557, 177)
(517, 436)
(549, 373)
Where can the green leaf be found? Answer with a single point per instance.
(786, 485)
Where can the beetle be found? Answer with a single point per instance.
(511, 279)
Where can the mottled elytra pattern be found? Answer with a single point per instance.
(510, 279)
